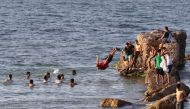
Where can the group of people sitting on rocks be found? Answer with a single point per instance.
(46, 78)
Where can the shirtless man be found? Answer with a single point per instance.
(103, 64)
(8, 80)
(31, 84)
(45, 79)
(137, 52)
(58, 80)
(72, 82)
(180, 97)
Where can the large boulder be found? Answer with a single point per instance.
(168, 102)
(113, 102)
(158, 94)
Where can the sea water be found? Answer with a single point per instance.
(44, 35)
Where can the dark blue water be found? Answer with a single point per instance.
(40, 35)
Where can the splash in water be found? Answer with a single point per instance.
(56, 71)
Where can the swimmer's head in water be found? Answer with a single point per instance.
(72, 80)
(46, 77)
(74, 72)
(10, 76)
(31, 81)
(27, 73)
(59, 77)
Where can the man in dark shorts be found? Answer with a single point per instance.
(103, 64)
(159, 70)
(129, 53)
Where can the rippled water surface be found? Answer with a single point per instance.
(40, 35)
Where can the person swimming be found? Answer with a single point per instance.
(28, 74)
(103, 64)
(8, 80)
(31, 83)
(45, 78)
(74, 72)
(158, 69)
(72, 82)
(58, 80)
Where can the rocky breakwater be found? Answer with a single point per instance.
(152, 41)
(161, 95)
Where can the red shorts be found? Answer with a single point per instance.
(102, 65)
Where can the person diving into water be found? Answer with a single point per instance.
(103, 64)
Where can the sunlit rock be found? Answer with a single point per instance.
(113, 102)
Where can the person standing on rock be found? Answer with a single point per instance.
(159, 70)
(169, 62)
(180, 97)
(163, 64)
(137, 52)
(129, 53)
(167, 36)
(147, 78)
(102, 65)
